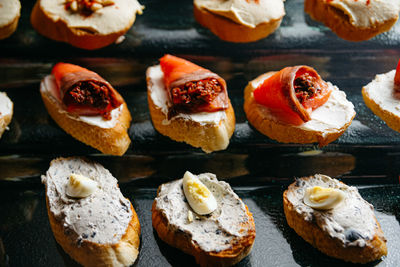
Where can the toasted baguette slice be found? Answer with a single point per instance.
(231, 31)
(102, 28)
(339, 22)
(209, 136)
(310, 132)
(171, 233)
(113, 141)
(6, 112)
(380, 97)
(358, 239)
(105, 210)
(9, 17)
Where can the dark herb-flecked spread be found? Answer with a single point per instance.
(102, 217)
(212, 232)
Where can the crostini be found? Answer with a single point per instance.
(87, 107)
(9, 16)
(87, 24)
(355, 20)
(6, 112)
(334, 218)
(240, 21)
(382, 96)
(90, 218)
(204, 217)
(190, 104)
(294, 105)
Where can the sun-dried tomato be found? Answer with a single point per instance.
(305, 87)
(190, 95)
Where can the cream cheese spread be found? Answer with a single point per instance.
(109, 19)
(101, 217)
(214, 232)
(159, 95)
(9, 10)
(245, 12)
(352, 221)
(381, 91)
(6, 106)
(367, 13)
(329, 117)
(49, 85)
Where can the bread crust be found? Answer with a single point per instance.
(391, 119)
(113, 141)
(59, 31)
(123, 253)
(7, 30)
(182, 241)
(208, 137)
(313, 234)
(230, 31)
(281, 132)
(339, 23)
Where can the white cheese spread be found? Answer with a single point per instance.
(160, 98)
(245, 12)
(9, 10)
(381, 91)
(367, 13)
(352, 221)
(6, 106)
(101, 217)
(49, 85)
(329, 117)
(214, 232)
(109, 19)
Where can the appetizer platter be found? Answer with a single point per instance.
(190, 132)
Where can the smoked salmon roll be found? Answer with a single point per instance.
(190, 104)
(86, 106)
(294, 105)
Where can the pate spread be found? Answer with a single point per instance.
(367, 13)
(246, 12)
(214, 232)
(101, 217)
(9, 10)
(49, 86)
(352, 221)
(160, 98)
(109, 19)
(334, 114)
(381, 91)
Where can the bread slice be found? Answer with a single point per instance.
(380, 97)
(265, 122)
(115, 249)
(9, 17)
(209, 136)
(231, 31)
(339, 241)
(6, 112)
(54, 22)
(339, 22)
(236, 250)
(113, 141)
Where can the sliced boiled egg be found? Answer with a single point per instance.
(200, 198)
(322, 198)
(80, 186)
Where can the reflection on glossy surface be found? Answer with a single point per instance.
(28, 240)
